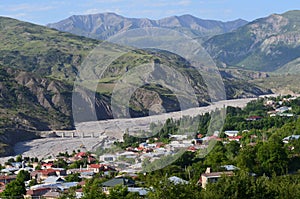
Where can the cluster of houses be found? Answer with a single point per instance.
(52, 181)
(279, 108)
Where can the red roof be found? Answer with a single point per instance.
(235, 137)
(10, 177)
(47, 164)
(96, 166)
(81, 154)
(79, 190)
(37, 191)
(192, 148)
(82, 183)
(44, 172)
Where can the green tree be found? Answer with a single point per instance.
(164, 189)
(273, 158)
(60, 163)
(75, 177)
(216, 157)
(93, 189)
(247, 158)
(117, 192)
(232, 149)
(19, 158)
(23, 175)
(14, 189)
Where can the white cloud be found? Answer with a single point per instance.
(29, 8)
(183, 3)
(96, 11)
(91, 11)
(163, 3)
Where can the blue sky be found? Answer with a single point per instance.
(48, 11)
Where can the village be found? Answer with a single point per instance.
(53, 176)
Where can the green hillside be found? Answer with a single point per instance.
(39, 66)
(266, 44)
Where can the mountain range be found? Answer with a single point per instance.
(269, 44)
(103, 25)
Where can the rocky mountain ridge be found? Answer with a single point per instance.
(104, 25)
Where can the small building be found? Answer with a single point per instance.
(7, 178)
(53, 180)
(283, 109)
(176, 180)
(235, 138)
(211, 177)
(79, 193)
(230, 167)
(231, 133)
(40, 175)
(47, 165)
(36, 193)
(108, 158)
(96, 168)
(287, 139)
(178, 137)
(140, 190)
(52, 194)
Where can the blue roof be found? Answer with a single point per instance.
(53, 179)
(140, 190)
(177, 180)
(230, 167)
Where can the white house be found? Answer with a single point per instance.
(231, 133)
(290, 138)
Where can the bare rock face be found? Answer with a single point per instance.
(47, 92)
(146, 101)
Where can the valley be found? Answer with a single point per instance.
(104, 133)
(108, 106)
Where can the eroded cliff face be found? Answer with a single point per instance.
(48, 92)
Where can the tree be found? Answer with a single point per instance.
(273, 158)
(93, 189)
(14, 189)
(19, 158)
(75, 177)
(216, 157)
(164, 189)
(60, 163)
(117, 192)
(246, 158)
(232, 149)
(23, 175)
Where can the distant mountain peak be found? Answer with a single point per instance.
(104, 25)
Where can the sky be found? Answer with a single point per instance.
(49, 11)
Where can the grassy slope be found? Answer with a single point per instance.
(265, 44)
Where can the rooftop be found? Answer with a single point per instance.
(217, 174)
